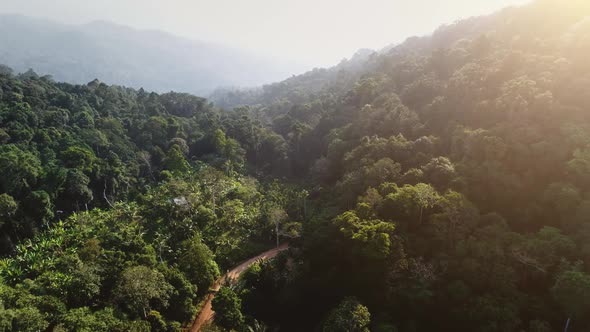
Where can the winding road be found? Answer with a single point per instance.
(206, 314)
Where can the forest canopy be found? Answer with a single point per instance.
(441, 184)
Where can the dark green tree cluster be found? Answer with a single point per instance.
(119, 208)
(140, 265)
(448, 180)
(441, 184)
(68, 148)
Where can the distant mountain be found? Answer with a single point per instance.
(121, 55)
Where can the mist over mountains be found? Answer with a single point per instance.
(116, 54)
(438, 184)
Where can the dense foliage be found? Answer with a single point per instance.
(449, 180)
(119, 207)
(441, 184)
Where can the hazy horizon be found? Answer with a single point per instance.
(170, 169)
(281, 29)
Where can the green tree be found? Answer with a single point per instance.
(348, 316)
(182, 300)
(572, 292)
(20, 169)
(457, 218)
(579, 167)
(139, 287)
(76, 187)
(277, 216)
(408, 203)
(78, 157)
(29, 319)
(175, 160)
(227, 306)
(8, 207)
(373, 236)
(426, 197)
(439, 172)
(38, 205)
(84, 320)
(196, 261)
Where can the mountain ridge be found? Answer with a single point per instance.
(123, 55)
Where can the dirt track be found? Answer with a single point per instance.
(206, 314)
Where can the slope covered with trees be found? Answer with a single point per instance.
(447, 178)
(120, 207)
(441, 184)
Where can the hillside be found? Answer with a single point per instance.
(449, 175)
(119, 208)
(120, 55)
(438, 185)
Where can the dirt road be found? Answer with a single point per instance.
(207, 313)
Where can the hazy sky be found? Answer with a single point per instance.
(316, 32)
